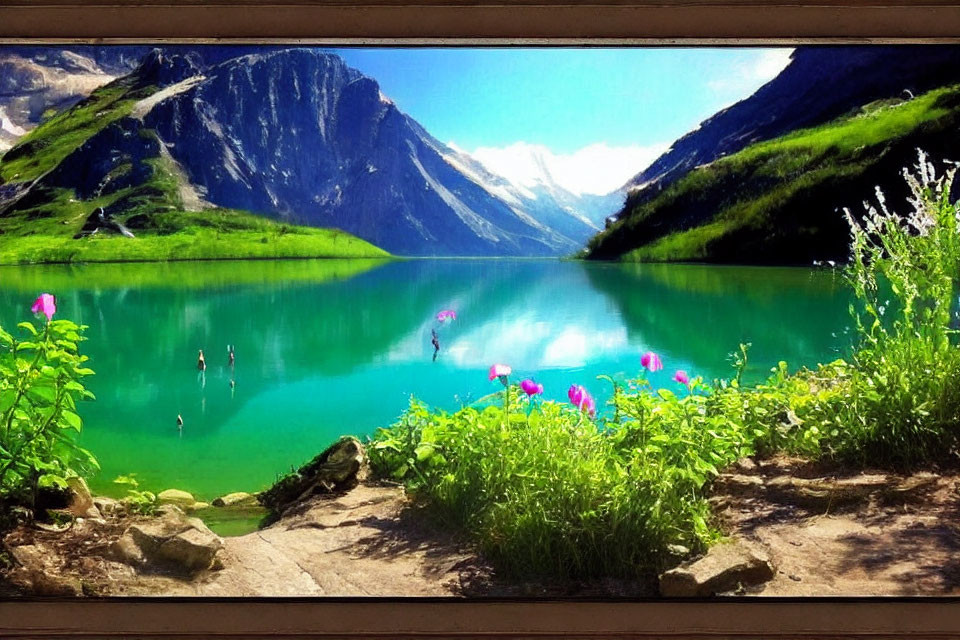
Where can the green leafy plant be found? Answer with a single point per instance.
(40, 385)
(901, 403)
(142, 502)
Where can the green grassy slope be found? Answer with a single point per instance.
(144, 189)
(780, 201)
(47, 145)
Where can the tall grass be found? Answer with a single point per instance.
(903, 404)
(546, 490)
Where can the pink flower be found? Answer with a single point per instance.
(531, 388)
(46, 304)
(447, 313)
(582, 399)
(651, 361)
(681, 377)
(500, 371)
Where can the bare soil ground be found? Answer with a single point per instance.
(895, 535)
(828, 532)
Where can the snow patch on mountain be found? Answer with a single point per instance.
(597, 169)
(143, 107)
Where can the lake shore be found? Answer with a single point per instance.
(826, 532)
(195, 244)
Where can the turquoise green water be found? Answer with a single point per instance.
(325, 348)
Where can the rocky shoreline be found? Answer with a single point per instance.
(791, 529)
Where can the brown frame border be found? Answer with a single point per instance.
(481, 22)
(505, 21)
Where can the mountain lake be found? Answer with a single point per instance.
(332, 347)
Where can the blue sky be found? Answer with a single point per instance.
(564, 99)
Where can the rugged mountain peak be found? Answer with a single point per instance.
(295, 135)
(161, 69)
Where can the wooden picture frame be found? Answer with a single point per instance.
(499, 23)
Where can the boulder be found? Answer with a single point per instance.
(193, 549)
(169, 540)
(335, 469)
(725, 567)
(176, 496)
(239, 499)
(81, 501)
(109, 506)
(125, 550)
(197, 506)
(45, 583)
(37, 576)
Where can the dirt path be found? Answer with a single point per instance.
(828, 533)
(362, 543)
(900, 536)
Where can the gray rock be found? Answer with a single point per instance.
(109, 506)
(335, 469)
(725, 567)
(27, 555)
(37, 575)
(81, 501)
(239, 499)
(169, 540)
(193, 549)
(45, 583)
(125, 550)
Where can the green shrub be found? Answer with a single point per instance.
(142, 502)
(902, 403)
(40, 386)
(544, 492)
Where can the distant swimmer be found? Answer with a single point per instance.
(179, 422)
(435, 340)
(201, 363)
(230, 354)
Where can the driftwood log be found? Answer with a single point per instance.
(335, 469)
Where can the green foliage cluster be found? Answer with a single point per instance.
(40, 385)
(142, 502)
(545, 490)
(903, 404)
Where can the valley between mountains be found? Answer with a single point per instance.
(128, 153)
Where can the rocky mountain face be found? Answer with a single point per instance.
(297, 135)
(37, 80)
(301, 136)
(819, 84)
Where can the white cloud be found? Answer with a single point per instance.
(597, 168)
(749, 76)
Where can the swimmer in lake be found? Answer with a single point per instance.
(230, 354)
(201, 363)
